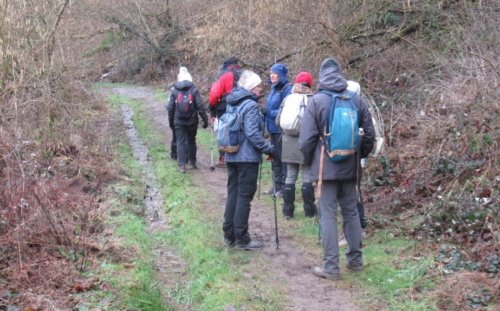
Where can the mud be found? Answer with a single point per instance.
(287, 268)
(167, 262)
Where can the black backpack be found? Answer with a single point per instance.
(184, 104)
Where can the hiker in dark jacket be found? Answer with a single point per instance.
(186, 130)
(243, 165)
(293, 158)
(339, 178)
(219, 91)
(280, 88)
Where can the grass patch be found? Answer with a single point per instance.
(211, 281)
(126, 270)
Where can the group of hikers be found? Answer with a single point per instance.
(293, 146)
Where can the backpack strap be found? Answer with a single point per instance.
(282, 91)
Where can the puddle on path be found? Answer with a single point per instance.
(167, 262)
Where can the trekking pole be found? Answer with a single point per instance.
(275, 207)
(212, 168)
(260, 168)
(319, 227)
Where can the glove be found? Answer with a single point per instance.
(273, 153)
(263, 110)
(205, 125)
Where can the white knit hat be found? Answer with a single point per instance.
(249, 80)
(184, 75)
(353, 87)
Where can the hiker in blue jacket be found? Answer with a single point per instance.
(243, 165)
(339, 179)
(280, 88)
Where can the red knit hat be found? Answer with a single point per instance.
(304, 76)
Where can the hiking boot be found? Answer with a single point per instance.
(279, 193)
(343, 241)
(321, 273)
(193, 166)
(250, 246)
(354, 267)
(173, 156)
(182, 169)
(228, 243)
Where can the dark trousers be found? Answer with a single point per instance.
(241, 188)
(279, 168)
(186, 137)
(361, 207)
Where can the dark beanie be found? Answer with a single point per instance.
(329, 63)
(231, 61)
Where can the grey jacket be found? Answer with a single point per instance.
(172, 118)
(290, 144)
(254, 144)
(312, 129)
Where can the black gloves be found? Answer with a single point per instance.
(263, 110)
(272, 152)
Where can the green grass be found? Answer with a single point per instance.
(392, 280)
(212, 282)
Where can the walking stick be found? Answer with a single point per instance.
(275, 207)
(320, 186)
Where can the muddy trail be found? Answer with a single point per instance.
(287, 267)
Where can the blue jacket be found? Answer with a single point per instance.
(254, 144)
(276, 96)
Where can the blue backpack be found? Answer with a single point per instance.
(340, 135)
(229, 134)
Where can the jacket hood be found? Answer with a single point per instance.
(237, 94)
(282, 71)
(183, 85)
(332, 80)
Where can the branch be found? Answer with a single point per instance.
(50, 48)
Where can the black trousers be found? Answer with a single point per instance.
(279, 168)
(186, 137)
(241, 188)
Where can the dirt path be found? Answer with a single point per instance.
(288, 267)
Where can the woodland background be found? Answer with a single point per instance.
(431, 67)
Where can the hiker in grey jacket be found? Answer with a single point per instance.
(243, 165)
(293, 158)
(339, 178)
(186, 130)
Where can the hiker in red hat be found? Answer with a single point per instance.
(289, 121)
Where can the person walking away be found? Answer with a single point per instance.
(173, 142)
(227, 79)
(291, 154)
(243, 165)
(185, 104)
(280, 88)
(354, 86)
(339, 179)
